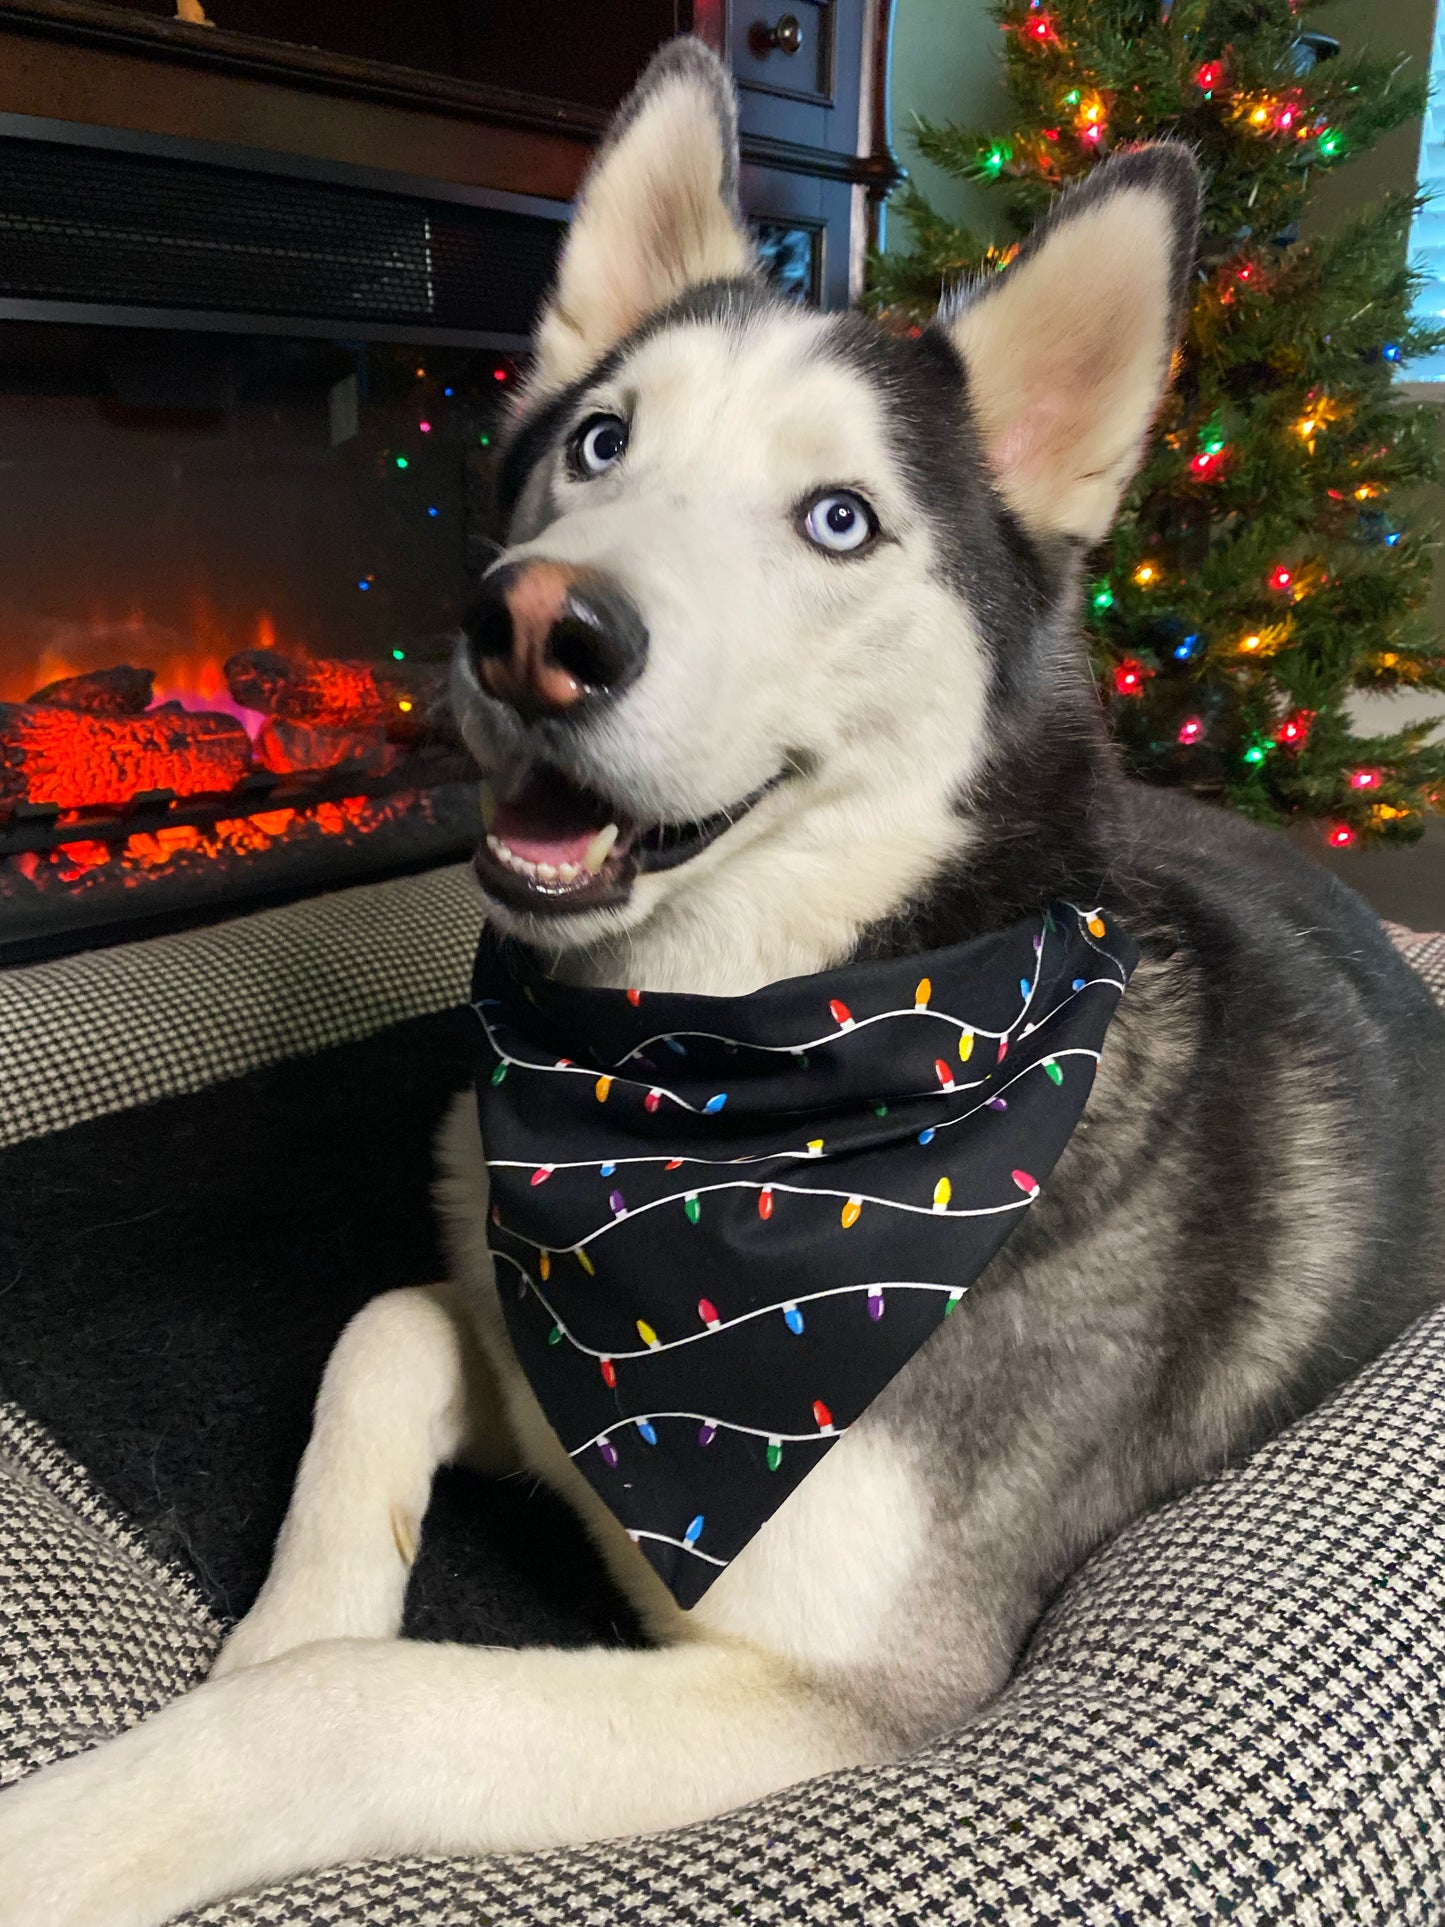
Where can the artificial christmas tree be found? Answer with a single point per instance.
(1267, 560)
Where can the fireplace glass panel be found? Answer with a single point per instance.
(276, 536)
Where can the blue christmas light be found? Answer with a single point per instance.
(364, 583)
(449, 391)
(1186, 647)
(1391, 351)
(1392, 538)
(432, 512)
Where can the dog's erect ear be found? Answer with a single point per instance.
(1068, 351)
(658, 213)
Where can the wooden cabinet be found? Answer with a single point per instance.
(509, 99)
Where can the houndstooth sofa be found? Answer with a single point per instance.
(1235, 1711)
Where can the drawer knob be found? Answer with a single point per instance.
(786, 37)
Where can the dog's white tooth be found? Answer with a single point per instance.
(497, 847)
(487, 803)
(568, 872)
(599, 849)
(547, 872)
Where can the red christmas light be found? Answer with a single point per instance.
(1294, 730)
(1365, 779)
(1191, 730)
(1281, 578)
(1342, 836)
(1039, 29)
(1209, 75)
(1129, 677)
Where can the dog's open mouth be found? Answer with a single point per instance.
(555, 847)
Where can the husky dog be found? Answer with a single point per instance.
(781, 668)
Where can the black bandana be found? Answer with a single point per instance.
(723, 1224)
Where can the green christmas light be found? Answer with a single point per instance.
(402, 462)
(398, 655)
(1103, 597)
(1256, 753)
(1331, 143)
(1072, 97)
(996, 159)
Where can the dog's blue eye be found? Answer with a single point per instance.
(598, 444)
(840, 522)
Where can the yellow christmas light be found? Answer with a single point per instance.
(1264, 642)
(1145, 574)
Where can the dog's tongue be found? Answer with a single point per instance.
(549, 821)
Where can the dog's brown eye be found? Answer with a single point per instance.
(599, 444)
(840, 522)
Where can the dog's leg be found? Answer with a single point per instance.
(356, 1748)
(405, 1390)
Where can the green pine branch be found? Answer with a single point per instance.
(1283, 445)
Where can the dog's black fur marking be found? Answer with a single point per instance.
(1259, 970)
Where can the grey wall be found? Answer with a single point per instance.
(946, 66)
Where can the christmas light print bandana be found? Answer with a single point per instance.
(722, 1225)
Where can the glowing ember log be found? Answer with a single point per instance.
(289, 748)
(50, 754)
(329, 693)
(122, 691)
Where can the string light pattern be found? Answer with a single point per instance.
(706, 1297)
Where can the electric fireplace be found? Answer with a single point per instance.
(246, 459)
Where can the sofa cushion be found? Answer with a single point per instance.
(1234, 1710)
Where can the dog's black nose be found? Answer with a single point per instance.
(546, 636)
